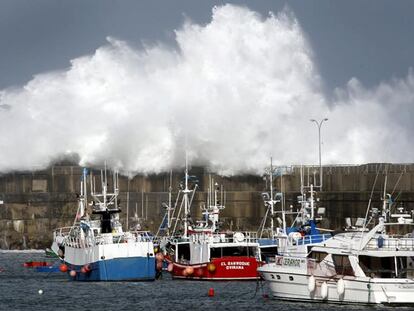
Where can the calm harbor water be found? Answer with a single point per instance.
(19, 290)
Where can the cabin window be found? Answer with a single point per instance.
(318, 256)
(183, 252)
(278, 277)
(218, 252)
(383, 267)
(290, 278)
(268, 254)
(342, 265)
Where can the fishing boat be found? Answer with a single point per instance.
(33, 264)
(362, 266)
(268, 232)
(48, 269)
(295, 228)
(96, 248)
(205, 252)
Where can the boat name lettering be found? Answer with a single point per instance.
(235, 263)
(291, 262)
(279, 260)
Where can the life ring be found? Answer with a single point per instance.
(238, 237)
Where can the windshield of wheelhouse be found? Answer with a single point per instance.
(218, 252)
(401, 230)
(183, 252)
(387, 267)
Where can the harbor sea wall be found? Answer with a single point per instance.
(37, 202)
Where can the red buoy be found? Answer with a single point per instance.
(211, 292)
(63, 268)
(87, 268)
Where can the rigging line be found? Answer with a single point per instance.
(366, 215)
(370, 200)
(262, 225)
(396, 184)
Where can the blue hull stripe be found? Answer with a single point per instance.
(118, 269)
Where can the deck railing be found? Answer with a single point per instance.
(393, 243)
(310, 239)
(72, 238)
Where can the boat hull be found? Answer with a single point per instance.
(219, 269)
(290, 286)
(116, 269)
(111, 262)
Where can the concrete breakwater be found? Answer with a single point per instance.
(35, 203)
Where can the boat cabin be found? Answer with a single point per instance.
(201, 248)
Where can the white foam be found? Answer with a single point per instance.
(237, 90)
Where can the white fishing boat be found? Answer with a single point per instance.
(373, 266)
(96, 248)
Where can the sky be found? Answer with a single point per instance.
(230, 82)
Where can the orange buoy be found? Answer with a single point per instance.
(72, 273)
(184, 272)
(63, 268)
(211, 267)
(189, 271)
(170, 267)
(211, 292)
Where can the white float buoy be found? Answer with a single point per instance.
(40, 292)
(340, 287)
(324, 290)
(311, 284)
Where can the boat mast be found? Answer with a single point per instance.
(384, 200)
(169, 208)
(272, 210)
(186, 192)
(312, 203)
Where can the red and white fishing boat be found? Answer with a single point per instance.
(203, 252)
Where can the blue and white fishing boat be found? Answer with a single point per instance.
(294, 228)
(96, 248)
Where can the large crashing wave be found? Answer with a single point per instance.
(231, 93)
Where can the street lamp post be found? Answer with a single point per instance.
(319, 124)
